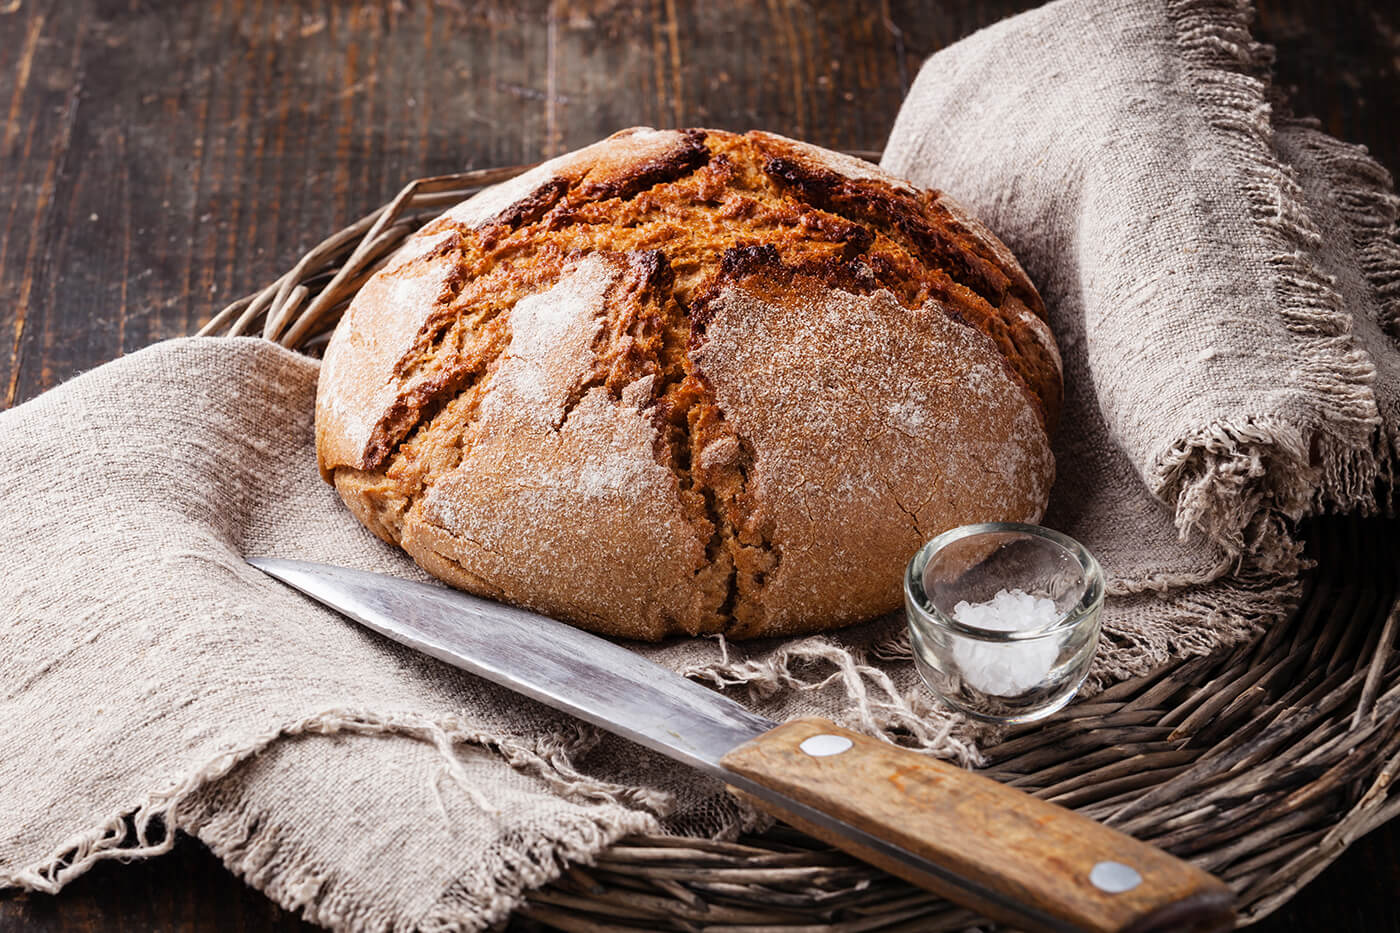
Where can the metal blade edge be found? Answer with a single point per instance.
(559, 665)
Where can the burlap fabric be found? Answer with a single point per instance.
(1224, 284)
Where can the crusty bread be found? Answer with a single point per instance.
(691, 381)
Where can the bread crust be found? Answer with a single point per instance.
(691, 382)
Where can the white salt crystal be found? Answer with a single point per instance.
(1006, 668)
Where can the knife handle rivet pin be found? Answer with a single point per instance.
(824, 744)
(1114, 877)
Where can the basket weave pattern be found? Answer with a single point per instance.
(1260, 765)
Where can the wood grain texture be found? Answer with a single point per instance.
(159, 158)
(1017, 851)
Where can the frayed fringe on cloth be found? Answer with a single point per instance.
(1231, 483)
(874, 704)
(256, 852)
(1366, 200)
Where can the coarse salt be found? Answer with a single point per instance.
(1006, 668)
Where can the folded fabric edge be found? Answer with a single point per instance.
(1231, 482)
(148, 830)
(1239, 484)
(1191, 622)
(1365, 197)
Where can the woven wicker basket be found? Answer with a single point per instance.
(1260, 765)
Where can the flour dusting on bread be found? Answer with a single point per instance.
(874, 429)
(551, 339)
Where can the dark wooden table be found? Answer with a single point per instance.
(158, 159)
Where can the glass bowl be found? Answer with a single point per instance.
(1003, 618)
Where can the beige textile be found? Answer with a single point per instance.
(1223, 280)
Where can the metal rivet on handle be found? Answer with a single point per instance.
(819, 746)
(1114, 877)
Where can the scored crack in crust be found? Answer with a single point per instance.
(691, 382)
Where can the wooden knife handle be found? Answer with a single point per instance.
(1018, 859)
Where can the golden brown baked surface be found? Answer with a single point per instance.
(691, 381)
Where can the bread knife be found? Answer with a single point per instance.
(1006, 854)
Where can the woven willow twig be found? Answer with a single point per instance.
(306, 301)
(1261, 764)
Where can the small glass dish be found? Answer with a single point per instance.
(1003, 618)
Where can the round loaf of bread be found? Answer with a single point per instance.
(691, 382)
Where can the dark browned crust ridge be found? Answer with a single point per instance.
(718, 210)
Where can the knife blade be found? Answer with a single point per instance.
(990, 847)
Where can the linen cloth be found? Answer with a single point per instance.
(1223, 280)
